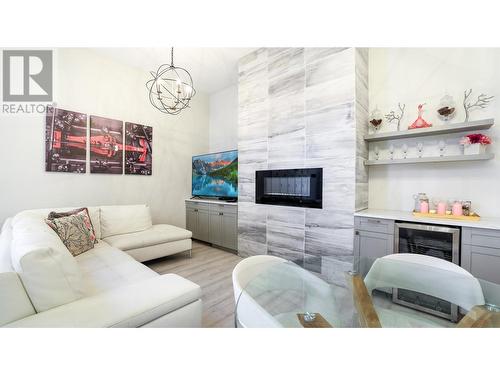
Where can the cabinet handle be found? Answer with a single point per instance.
(195, 210)
(356, 233)
(373, 221)
(221, 213)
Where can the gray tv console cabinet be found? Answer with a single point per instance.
(215, 222)
(480, 241)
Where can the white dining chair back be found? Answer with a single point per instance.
(249, 313)
(424, 274)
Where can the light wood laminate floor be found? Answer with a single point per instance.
(210, 268)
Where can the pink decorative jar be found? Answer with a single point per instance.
(456, 209)
(441, 208)
(424, 207)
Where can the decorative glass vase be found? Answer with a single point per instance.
(447, 108)
(376, 120)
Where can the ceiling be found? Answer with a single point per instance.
(212, 69)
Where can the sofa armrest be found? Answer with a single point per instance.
(133, 305)
(14, 302)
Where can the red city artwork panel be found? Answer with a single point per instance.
(106, 145)
(65, 141)
(138, 149)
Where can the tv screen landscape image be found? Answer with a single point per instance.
(215, 175)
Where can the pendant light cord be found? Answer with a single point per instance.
(172, 56)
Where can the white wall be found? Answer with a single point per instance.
(89, 83)
(414, 76)
(224, 119)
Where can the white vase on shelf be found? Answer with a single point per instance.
(474, 149)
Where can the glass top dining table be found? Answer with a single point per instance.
(396, 292)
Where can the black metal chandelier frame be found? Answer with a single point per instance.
(161, 94)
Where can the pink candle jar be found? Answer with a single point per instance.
(441, 208)
(424, 207)
(456, 209)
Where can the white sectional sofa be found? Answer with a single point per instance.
(43, 285)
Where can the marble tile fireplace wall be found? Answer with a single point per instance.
(303, 108)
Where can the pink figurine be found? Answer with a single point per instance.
(424, 207)
(420, 122)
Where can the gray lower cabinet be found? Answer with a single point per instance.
(192, 221)
(481, 253)
(203, 225)
(369, 224)
(480, 248)
(373, 238)
(215, 228)
(230, 231)
(216, 223)
(197, 221)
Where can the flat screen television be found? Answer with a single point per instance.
(215, 175)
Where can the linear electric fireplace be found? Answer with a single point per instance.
(290, 187)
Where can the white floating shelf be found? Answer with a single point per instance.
(435, 130)
(435, 159)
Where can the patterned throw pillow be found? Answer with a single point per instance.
(75, 231)
(57, 215)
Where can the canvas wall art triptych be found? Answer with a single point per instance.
(114, 147)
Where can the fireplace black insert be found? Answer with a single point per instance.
(290, 187)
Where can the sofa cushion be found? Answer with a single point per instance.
(132, 305)
(75, 231)
(5, 243)
(57, 215)
(49, 272)
(94, 212)
(157, 234)
(143, 254)
(124, 219)
(15, 303)
(104, 268)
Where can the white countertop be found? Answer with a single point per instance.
(485, 222)
(215, 201)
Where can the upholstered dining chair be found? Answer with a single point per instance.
(273, 292)
(419, 273)
(249, 313)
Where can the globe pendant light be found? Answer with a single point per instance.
(171, 88)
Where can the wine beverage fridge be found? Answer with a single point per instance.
(431, 240)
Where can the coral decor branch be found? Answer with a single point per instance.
(482, 102)
(391, 116)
